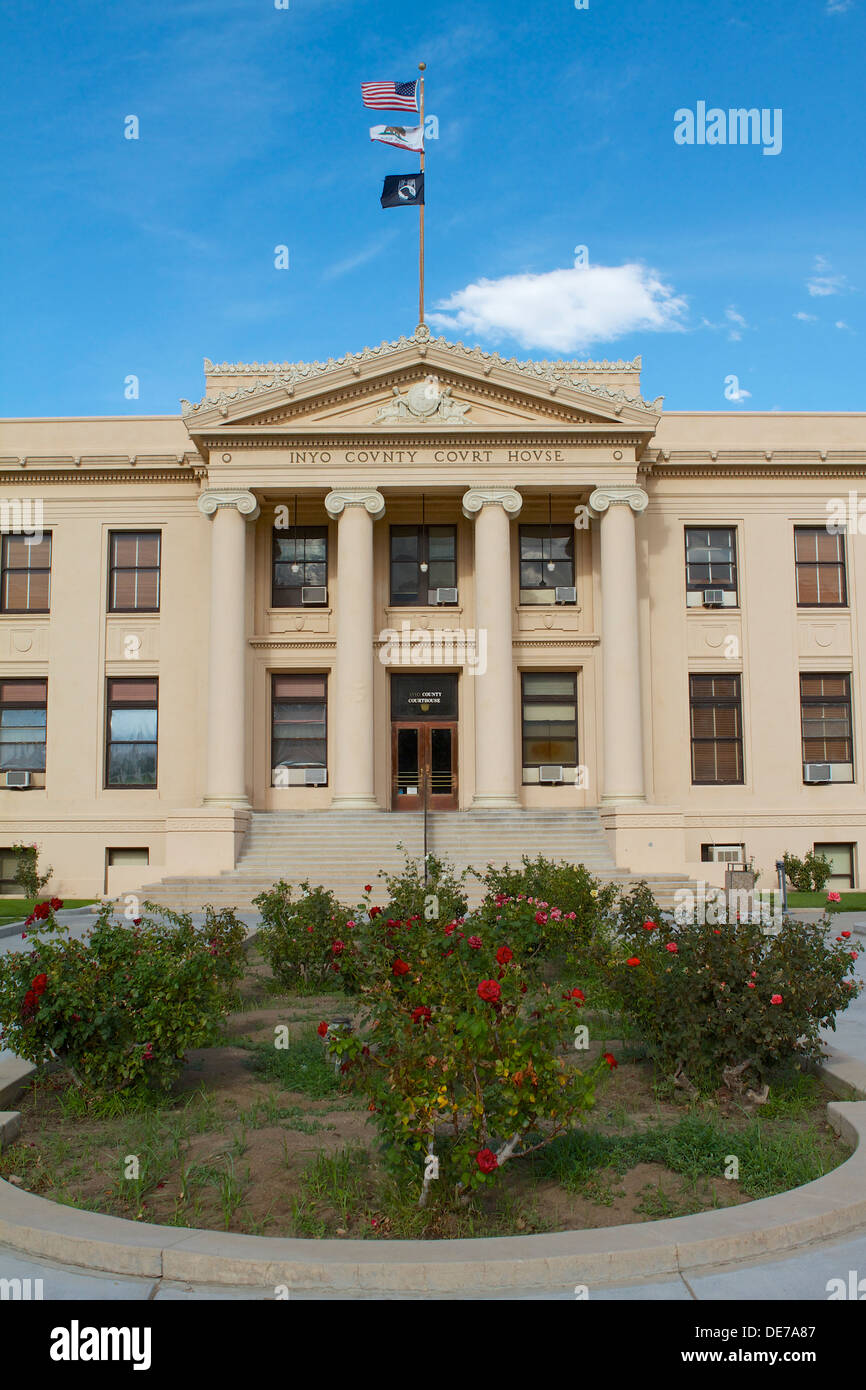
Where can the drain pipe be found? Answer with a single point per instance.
(783, 888)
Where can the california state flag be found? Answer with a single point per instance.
(404, 137)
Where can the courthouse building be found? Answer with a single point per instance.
(518, 593)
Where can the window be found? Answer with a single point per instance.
(825, 713)
(842, 861)
(26, 577)
(819, 565)
(8, 874)
(133, 571)
(300, 561)
(414, 546)
(130, 752)
(127, 855)
(716, 729)
(711, 563)
(549, 719)
(546, 560)
(23, 709)
(299, 729)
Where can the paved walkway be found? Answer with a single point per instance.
(801, 1275)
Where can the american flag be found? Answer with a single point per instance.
(390, 96)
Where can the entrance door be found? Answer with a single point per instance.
(423, 763)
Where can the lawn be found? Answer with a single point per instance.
(11, 909)
(850, 901)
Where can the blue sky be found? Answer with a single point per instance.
(556, 130)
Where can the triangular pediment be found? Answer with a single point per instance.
(420, 385)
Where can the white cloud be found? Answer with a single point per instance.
(838, 6)
(822, 283)
(359, 258)
(806, 318)
(737, 323)
(565, 310)
(840, 323)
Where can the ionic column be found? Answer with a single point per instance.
(231, 509)
(620, 651)
(491, 509)
(352, 703)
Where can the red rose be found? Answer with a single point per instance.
(490, 991)
(400, 967)
(486, 1160)
(375, 911)
(475, 942)
(846, 933)
(649, 926)
(610, 1059)
(504, 955)
(136, 921)
(750, 984)
(450, 929)
(39, 983)
(337, 947)
(368, 887)
(541, 918)
(322, 1029)
(422, 1012)
(578, 996)
(56, 903)
(672, 946)
(632, 960)
(776, 999)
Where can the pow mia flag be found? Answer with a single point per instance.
(403, 190)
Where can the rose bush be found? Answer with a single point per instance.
(304, 941)
(462, 1054)
(27, 873)
(720, 1002)
(122, 1006)
(584, 906)
(809, 874)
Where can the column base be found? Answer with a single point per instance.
(495, 801)
(242, 803)
(354, 803)
(625, 800)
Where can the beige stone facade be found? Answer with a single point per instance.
(347, 450)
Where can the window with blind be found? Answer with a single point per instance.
(299, 727)
(549, 719)
(9, 885)
(300, 561)
(711, 559)
(131, 733)
(716, 720)
(23, 715)
(133, 571)
(25, 584)
(825, 716)
(819, 566)
(423, 559)
(546, 557)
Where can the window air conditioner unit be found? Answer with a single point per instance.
(726, 854)
(550, 774)
(313, 593)
(315, 776)
(714, 598)
(18, 779)
(436, 596)
(566, 595)
(817, 772)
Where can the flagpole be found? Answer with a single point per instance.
(421, 68)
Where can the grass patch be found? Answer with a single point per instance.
(13, 908)
(302, 1066)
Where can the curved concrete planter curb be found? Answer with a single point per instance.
(832, 1205)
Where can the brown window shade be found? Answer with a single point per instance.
(299, 687)
(130, 692)
(716, 729)
(134, 571)
(16, 589)
(24, 692)
(819, 562)
(824, 686)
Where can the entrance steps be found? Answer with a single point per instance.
(344, 850)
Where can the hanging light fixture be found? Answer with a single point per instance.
(550, 564)
(295, 565)
(424, 566)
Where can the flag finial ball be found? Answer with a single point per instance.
(422, 67)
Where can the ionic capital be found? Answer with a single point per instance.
(604, 497)
(372, 501)
(478, 497)
(210, 502)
